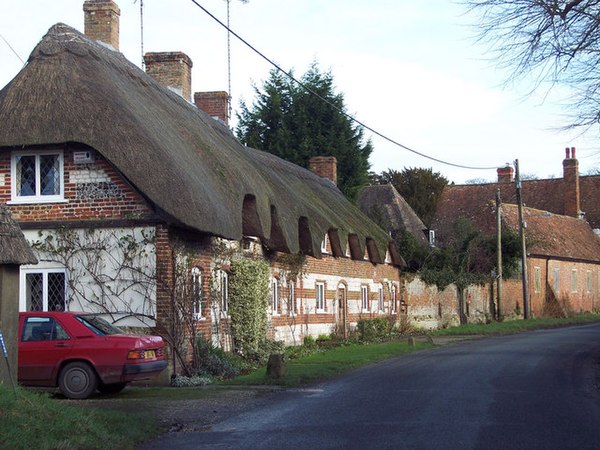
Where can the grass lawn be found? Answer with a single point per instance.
(516, 326)
(329, 363)
(35, 421)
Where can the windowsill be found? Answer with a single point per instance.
(320, 311)
(200, 318)
(36, 201)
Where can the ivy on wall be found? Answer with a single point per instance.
(249, 293)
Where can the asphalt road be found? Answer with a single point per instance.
(537, 390)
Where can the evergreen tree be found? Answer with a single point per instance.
(291, 122)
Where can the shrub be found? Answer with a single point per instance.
(377, 329)
(195, 380)
(216, 362)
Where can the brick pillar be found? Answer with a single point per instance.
(171, 69)
(324, 166)
(505, 174)
(101, 21)
(215, 104)
(571, 204)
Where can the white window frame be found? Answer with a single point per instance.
(556, 280)
(589, 281)
(197, 293)
(24, 271)
(275, 297)
(292, 298)
(38, 197)
(224, 287)
(394, 298)
(364, 298)
(380, 299)
(574, 281)
(320, 296)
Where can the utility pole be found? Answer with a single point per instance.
(522, 226)
(499, 316)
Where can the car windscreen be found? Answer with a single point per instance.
(98, 325)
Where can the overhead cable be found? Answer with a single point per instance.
(349, 116)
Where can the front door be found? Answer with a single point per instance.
(341, 318)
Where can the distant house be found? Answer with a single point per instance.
(564, 253)
(386, 207)
(136, 201)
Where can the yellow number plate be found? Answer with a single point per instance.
(149, 354)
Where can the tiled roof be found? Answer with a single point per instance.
(554, 235)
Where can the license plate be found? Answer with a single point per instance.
(149, 354)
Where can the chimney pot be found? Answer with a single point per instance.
(573, 152)
(567, 153)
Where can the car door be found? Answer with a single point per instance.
(43, 344)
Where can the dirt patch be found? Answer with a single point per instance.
(208, 406)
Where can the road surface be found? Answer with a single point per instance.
(536, 390)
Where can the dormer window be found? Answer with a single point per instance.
(37, 177)
(325, 243)
(431, 238)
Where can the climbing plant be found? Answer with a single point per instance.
(249, 293)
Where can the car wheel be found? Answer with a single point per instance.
(113, 388)
(77, 380)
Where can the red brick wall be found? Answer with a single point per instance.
(215, 104)
(171, 69)
(111, 198)
(324, 166)
(101, 21)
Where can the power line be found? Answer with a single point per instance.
(362, 124)
(13, 50)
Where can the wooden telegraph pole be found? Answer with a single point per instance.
(522, 226)
(499, 316)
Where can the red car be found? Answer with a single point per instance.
(81, 352)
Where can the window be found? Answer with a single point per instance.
(394, 298)
(292, 298)
(556, 279)
(275, 296)
(589, 281)
(320, 296)
(224, 281)
(537, 279)
(324, 243)
(431, 238)
(37, 176)
(380, 298)
(197, 292)
(574, 280)
(43, 329)
(43, 289)
(364, 298)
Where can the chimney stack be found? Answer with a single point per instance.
(571, 184)
(505, 174)
(101, 21)
(215, 104)
(324, 166)
(171, 69)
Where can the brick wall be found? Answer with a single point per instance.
(91, 191)
(324, 166)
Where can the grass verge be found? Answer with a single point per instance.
(34, 420)
(516, 326)
(329, 363)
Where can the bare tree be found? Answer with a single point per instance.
(551, 41)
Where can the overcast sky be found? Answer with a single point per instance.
(411, 70)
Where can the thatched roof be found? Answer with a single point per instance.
(14, 249)
(187, 164)
(384, 205)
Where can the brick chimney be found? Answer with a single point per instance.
(570, 186)
(505, 174)
(171, 69)
(101, 21)
(324, 166)
(215, 104)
